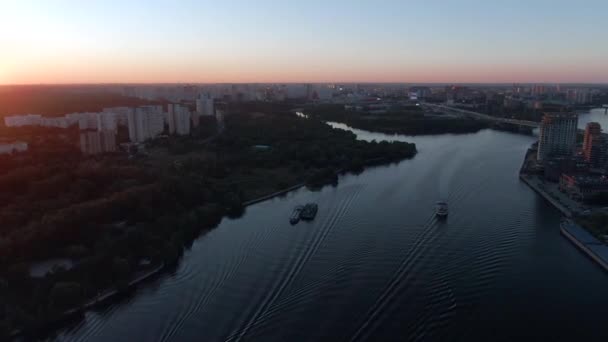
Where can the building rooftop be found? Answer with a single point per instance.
(590, 180)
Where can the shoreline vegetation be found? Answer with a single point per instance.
(410, 120)
(118, 218)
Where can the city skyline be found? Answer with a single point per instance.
(70, 42)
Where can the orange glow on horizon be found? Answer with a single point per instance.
(79, 73)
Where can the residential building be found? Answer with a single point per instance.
(145, 122)
(22, 120)
(556, 166)
(106, 122)
(182, 120)
(120, 113)
(87, 121)
(170, 118)
(594, 145)
(219, 117)
(59, 122)
(324, 93)
(205, 106)
(557, 135)
(90, 142)
(583, 187)
(179, 119)
(8, 148)
(417, 93)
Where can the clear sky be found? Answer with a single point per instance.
(115, 41)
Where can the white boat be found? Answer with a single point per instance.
(441, 209)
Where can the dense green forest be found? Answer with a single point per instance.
(115, 216)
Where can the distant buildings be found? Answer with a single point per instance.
(60, 122)
(594, 145)
(205, 106)
(418, 93)
(120, 114)
(106, 122)
(583, 187)
(557, 135)
(219, 117)
(182, 120)
(86, 120)
(145, 122)
(178, 119)
(92, 142)
(8, 148)
(99, 131)
(22, 120)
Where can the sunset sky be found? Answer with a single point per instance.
(64, 41)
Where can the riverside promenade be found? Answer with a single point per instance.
(535, 184)
(586, 242)
(579, 236)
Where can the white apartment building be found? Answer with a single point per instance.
(60, 122)
(205, 106)
(22, 120)
(120, 113)
(219, 118)
(170, 118)
(97, 142)
(107, 122)
(87, 121)
(145, 122)
(557, 135)
(9, 148)
(179, 119)
(182, 120)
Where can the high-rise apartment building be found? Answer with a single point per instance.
(145, 122)
(106, 122)
(97, 142)
(182, 120)
(22, 120)
(557, 135)
(594, 145)
(205, 106)
(179, 119)
(9, 148)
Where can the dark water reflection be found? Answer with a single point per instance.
(377, 265)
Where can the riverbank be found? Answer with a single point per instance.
(535, 184)
(173, 195)
(586, 242)
(102, 298)
(411, 120)
(576, 234)
(222, 287)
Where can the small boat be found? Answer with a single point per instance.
(295, 216)
(309, 212)
(441, 209)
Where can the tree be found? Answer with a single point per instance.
(65, 295)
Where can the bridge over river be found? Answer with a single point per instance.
(486, 117)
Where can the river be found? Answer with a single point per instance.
(377, 265)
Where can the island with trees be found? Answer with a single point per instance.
(409, 120)
(114, 219)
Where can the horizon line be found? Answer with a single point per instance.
(298, 82)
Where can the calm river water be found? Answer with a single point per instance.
(377, 265)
